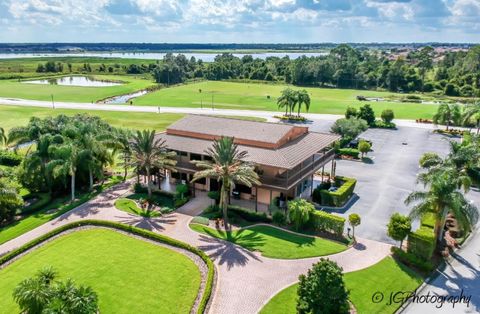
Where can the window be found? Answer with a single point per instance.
(243, 189)
(180, 153)
(195, 156)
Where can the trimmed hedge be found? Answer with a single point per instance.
(412, 260)
(200, 220)
(352, 152)
(325, 222)
(9, 159)
(421, 243)
(339, 197)
(428, 220)
(137, 231)
(249, 215)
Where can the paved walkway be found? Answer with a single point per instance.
(269, 115)
(246, 280)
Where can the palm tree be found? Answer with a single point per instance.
(303, 98)
(472, 111)
(443, 197)
(286, 100)
(149, 153)
(447, 114)
(3, 136)
(227, 167)
(123, 137)
(66, 162)
(33, 294)
(39, 159)
(95, 155)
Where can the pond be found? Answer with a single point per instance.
(84, 81)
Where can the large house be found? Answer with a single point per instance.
(285, 156)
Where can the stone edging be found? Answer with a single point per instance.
(203, 262)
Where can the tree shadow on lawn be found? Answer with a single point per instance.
(152, 224)
(226, 252)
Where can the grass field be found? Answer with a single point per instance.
(275, 243)
(252, 96)
(129, 275)
(16, 89)
(385, 277)
(11, 116)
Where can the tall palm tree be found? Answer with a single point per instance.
(67, 159)
(95, 155)
(39, 159)
(286, 100)
(123, 137)
(228, 167)
(303, 98)
(472, 111)
(149, 153)
(447, 114)
(442, 197)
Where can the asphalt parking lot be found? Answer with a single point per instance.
(384, 184)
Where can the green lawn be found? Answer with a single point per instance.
(253, 96)
(129, 206)
(128, 274)
(386, 276)
(11, 116)
(44, 215)
(16, 89)
(275, 243)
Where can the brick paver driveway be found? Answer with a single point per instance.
(246, 280)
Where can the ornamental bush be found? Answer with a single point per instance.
(322, 290)
(352, 152)
(249, 215)
(299, 212)
(325, 222)
(279, 218)
(387, 115)
(366, 113)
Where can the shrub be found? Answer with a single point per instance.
(349, 128)
(214, 195)
(384, 125)
(249, 215)
(399, 227)
(299, 211)
(325, 222)
(179, 202)
(364, 147)
(451, 90)
(421, 243)
(200, 220)
(279, 218)
(341, 195)
(352, 152)
(351, 112)
(9, 159)
(412, 260)
(166, 210)
(387, 115)
(428, 220)
(322, 289)
(139, 188)
(366, 113)
(182, 190)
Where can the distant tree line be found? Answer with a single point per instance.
(455, 73)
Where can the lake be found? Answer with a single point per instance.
(207, 57)
(84, 81)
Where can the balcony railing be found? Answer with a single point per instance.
(287, 179)
(290, 178)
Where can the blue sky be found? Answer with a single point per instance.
(242, 21)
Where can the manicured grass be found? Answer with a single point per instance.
(385, 277)
(16, 89)
(129, 206)
(62, 205)
(253, 96)
(275, 243)
(11, 116)
(129, 275)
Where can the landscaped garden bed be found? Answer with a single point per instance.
(274, 242)
(105, 260)
(385, 277)
(334, 194)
